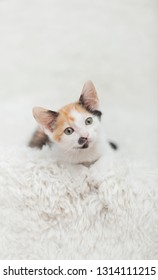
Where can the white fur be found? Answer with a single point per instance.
(68, 149)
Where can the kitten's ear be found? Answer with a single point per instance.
(45, 118)
(89, 98)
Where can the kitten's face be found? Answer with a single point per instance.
(76, 126)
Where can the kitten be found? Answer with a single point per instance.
(75, 130)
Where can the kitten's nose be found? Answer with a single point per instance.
(82, 140)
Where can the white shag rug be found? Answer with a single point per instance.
(48, 50)
(52, 211)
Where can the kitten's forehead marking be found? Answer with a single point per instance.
(71, 111)
(79, 123)
(68, 115)
(73, 106)
(79, 117)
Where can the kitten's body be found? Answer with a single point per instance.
(74, 133)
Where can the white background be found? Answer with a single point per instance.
(48, 49)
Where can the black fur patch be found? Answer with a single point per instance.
(39, 139)
(113, 145)
(89, 109)
(96, 113)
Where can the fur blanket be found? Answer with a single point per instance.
(57, 211)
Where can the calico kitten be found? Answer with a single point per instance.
(75, 130)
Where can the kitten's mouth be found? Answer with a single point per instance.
(84, 146)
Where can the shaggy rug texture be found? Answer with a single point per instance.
(52, 211)
(61, 211)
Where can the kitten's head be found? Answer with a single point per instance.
(75, 126)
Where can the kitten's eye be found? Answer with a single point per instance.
(89, 121)
(68, 130)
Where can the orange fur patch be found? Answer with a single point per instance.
(65, 119)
